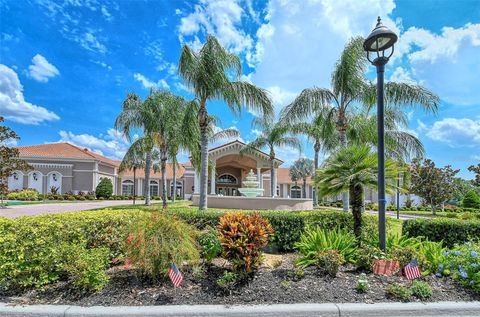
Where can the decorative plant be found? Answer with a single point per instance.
(210, 244)
(243, 236)
(329, 261)
(421, 290)
(104, 188)
(362, 283)
(399, 292)
(54, 190)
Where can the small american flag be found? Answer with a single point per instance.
(175, 275)
(412, 271)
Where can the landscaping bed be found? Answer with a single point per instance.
(269, 286)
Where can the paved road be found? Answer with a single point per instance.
(51, 208)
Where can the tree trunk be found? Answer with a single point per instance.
(342, 130)
(356, 201)
(273, 186)
(174, 184)
(203, 122)
(163, 165)
(434, 207)
(146, 187)
(304, 189)
(134, 182)
(315, 162)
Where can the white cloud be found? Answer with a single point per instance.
(41, 70)
(280, 97)
(178, 11)
(13, 105)
(400, 74)
(111, 145)
(221, 18)
(455, 132)
(147, 83)
(103, 64)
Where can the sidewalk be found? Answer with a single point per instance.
(440, 309)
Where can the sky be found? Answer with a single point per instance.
(67, 65)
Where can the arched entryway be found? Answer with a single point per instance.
(54, 182)
(15, 182)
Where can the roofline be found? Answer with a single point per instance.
(243, 143)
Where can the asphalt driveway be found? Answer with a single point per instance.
(51, 208)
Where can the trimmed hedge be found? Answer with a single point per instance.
(450, 231)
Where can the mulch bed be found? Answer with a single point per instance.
(269, 286)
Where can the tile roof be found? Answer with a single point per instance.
(63, 150)
(169, 169)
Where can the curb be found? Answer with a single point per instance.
(465, 309)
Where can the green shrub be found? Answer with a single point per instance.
(421, 290)
(155, 242)
(228, 281)
(24, 194)
(447, 230)
(362, 283)
(104, 188)
(328, 262)
(87, 267)
(471, 200)
(243, 236)
(210, 244)
(399, 292)
(430, 256)
(315, 240)
(33, 249)
(366, 255)
(463, 264)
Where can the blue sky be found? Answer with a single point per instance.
(66, 66)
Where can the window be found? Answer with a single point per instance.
(127, 188)
(295, 192)
(227, 179)
(154, 188)
(179, 188)
(278, 190)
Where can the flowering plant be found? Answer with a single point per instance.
(463, 264)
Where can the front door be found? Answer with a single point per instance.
(227, 191)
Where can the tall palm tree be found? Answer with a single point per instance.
(349, 88)
(139, 115)
(353, 168)
(134, 159)
(208, 73)
(294, 174)
(271, 136)
(304, 168)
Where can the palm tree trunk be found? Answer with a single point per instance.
(342, 131)
(174, 185)
(203, 122)
(316, 148)
(163, 165)
(134, 182)
(146, 187)
(273, 187)
(356, 200)
(304, 189)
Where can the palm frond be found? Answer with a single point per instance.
(405, 94)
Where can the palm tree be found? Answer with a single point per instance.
(208, 73)
(294, 174)
(271, 136)
(350, 87)
(134, 159)
(139, 115)
(354, 168)
(304, 168)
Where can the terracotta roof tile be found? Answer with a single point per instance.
(169, 169)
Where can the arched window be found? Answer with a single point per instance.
(179, 188)
(295, 192)
(227, 179)
(154, 188)
(127, 188)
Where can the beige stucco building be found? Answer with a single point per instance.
(73, 169)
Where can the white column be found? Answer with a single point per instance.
(275, 182)
(259, 177)
(196, 183)
(285, 190)
(212, 182)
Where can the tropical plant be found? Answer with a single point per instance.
(9, 156)
(471, 200)
(421, 290)
(349, 87)
(134, 159)
(104, 188)
(431, 255)
(304, 169)
(271, 136)
(329, 262)
(353, 168)
(316, 239)
(209, 74)
(210, 244)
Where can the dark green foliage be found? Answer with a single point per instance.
(104, 188)
(471, 200)
(210, 244)
(421, 290)
(400, 292)
(448, 230)
(366, 255)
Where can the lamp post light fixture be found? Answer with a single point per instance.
(380, 40)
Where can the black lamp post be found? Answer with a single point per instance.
(377, 43)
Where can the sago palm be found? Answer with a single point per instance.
(353, 169)
(349, 87)
(214, 74)
(272, 135)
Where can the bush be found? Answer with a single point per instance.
(463, 264)
(155, 242)
(33, 250)
(210, 244)
(24, 194)
(104, 188)
(328, 262)
(431, 256)
(366, 255)
(243, 236)
(362, 283)
(228, 281)
(399, 292)
(316, 240)
(471, 200)
(447, 230)
(421, 290)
